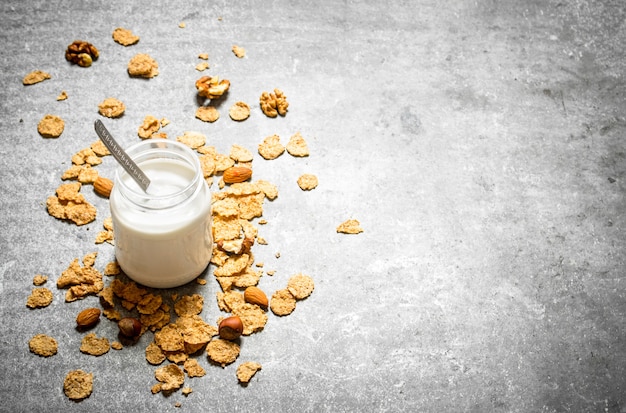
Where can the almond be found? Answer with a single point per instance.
(88, 317)
(254, 295)
(231, 328)
(103, 186)
(236, 174)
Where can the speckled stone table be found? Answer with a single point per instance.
(481, 144)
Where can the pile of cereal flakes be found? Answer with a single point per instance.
(179, 332)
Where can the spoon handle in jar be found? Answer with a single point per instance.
(121, 156)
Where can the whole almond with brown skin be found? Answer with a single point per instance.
(129, 327)
(103, 186)
(231, 328)
(88, 317)
(236, 174)
(254, 295)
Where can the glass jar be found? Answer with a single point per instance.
(162, 236)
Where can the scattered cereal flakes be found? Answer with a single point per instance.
(155, 321)
(106, 297)
(186, 391)
(270, 190)
(297, 146)
(207, 164)
(149, 303)
(112, 268)
(193, 368)
(128, 291)
(87, 174)
(40, 297)
(176, 357)
(202, 66)
(116, 345)
(207, 114)
(262, 221)
(82, 281)
(306, 182)
(225, 228)
(124, 37)
(165, 122)
(170, 338)
(43, 345)
(251, 206)
(86, 156)
(277, 255)
(182, 25)
(233, 265)
(170, 376)
(143, 65)
(149, 127)
(35, 76)
(189, 305)
(72, 172)
(239, 111)
(75, 274)
(300, 286)
(252, 316)
(94, 346)
(192, 139)
(78, 385)
(223, 162)
(51, 126)
(112, 314)
(39, 279)
(239, 51)
(260, 264)
(99, 148)
(351, 226)
(157, 388)
(271, 272)
(104, 236)
(200, 281)
(111, 108)
(282, 302)
(203, 56)
(222, 351)
(262, 241)
(196, 332)
(245, 371)
(240, 154)
(273, 104)
(154, 354)
(271, 148)
(62, 95)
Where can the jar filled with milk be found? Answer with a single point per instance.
(162, 235)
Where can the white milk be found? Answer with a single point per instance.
(162, 237)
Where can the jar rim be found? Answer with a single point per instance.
(159, 149)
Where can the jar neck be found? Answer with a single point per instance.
(173, 169)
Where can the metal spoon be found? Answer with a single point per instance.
(121, 156)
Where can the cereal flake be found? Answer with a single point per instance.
(43, 345)
(245, 371)
(51, 126)
(78, 385)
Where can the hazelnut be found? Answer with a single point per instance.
(231, 328)
(129, 327)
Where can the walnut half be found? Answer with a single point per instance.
(273, 104)
(81, 53)
(211, 87)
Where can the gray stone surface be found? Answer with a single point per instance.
(480, 143)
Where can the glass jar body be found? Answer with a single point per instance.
(162, 236)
